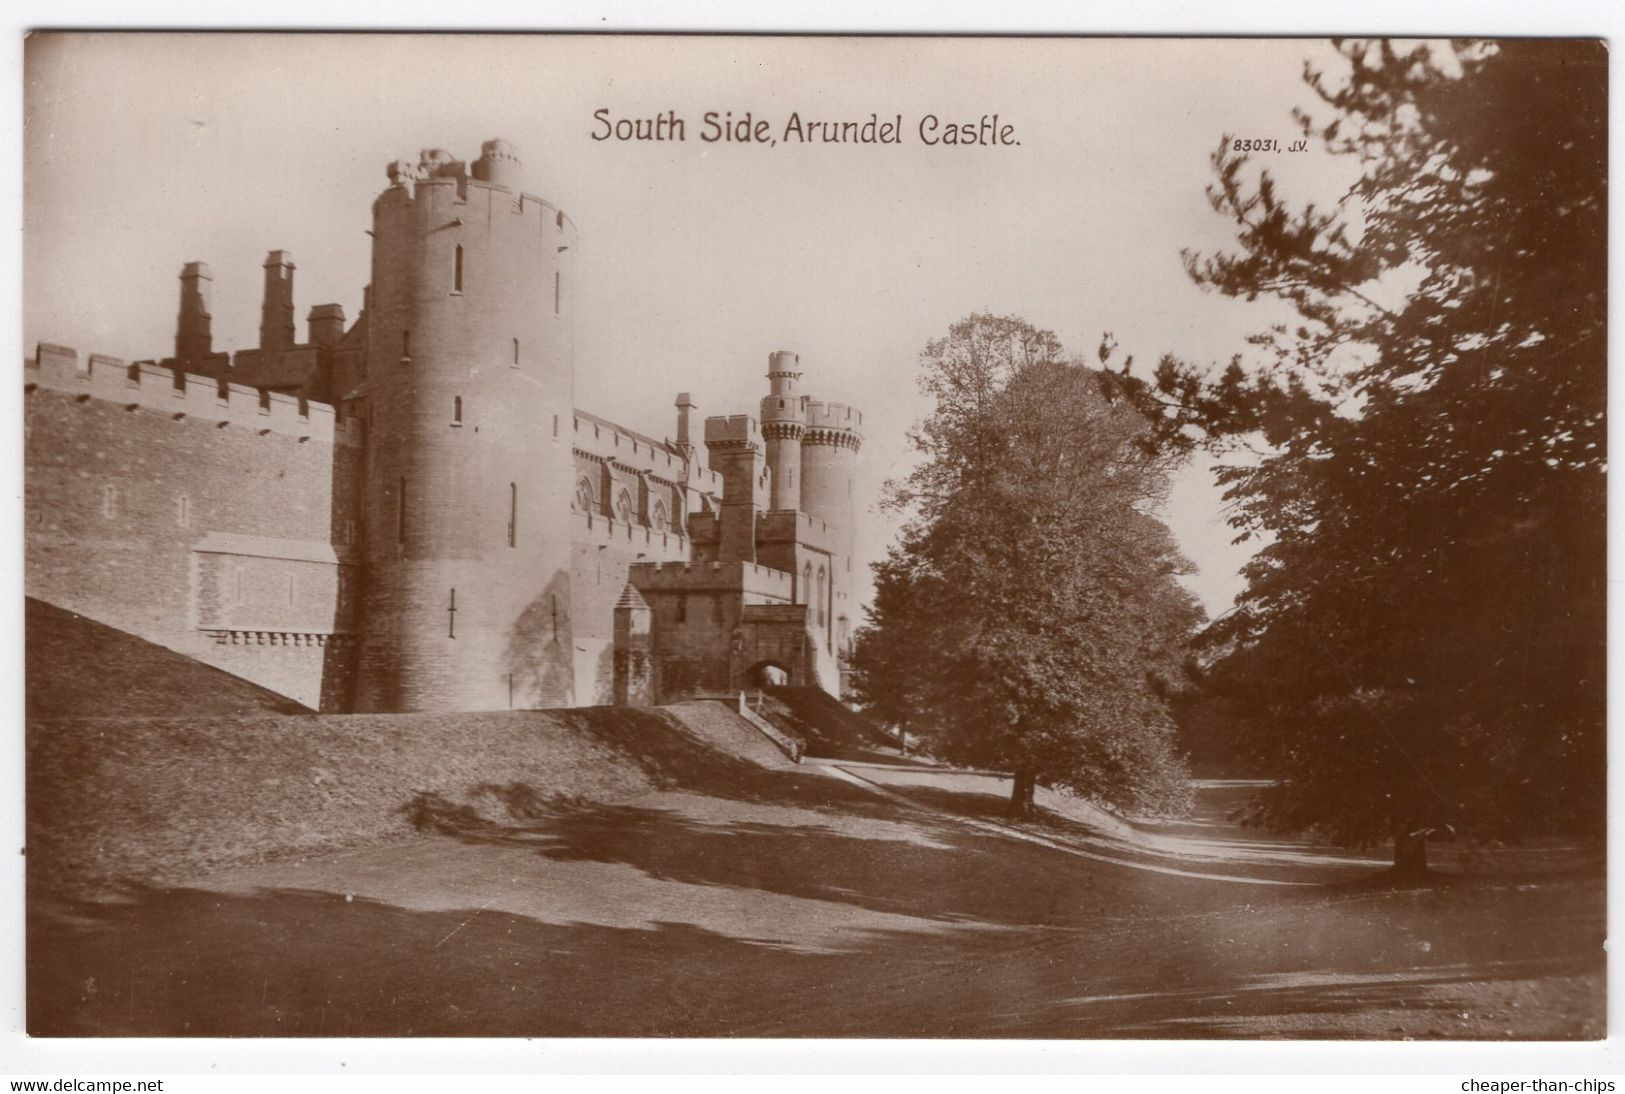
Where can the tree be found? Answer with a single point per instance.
(1420, 647)
(1029, 618)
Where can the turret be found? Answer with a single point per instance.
(634, 682)
(276, 307)
(468, 380)
(194, 337)
(499, 165)
(829, 453)
(734, 450)
(783, 423)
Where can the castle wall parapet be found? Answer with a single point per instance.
(821, 415)
(148, 386)
(595, 528)
(794, 526)
(597, 439)
(734, 431)
(745, 577)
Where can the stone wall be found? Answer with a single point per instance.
(218, 524)
(469, 474)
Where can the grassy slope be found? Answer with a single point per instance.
(143, 765)
(158, 798)
(830, 728)
(78, 668)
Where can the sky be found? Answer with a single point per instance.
(696, 259)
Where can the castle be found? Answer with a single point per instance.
(411, 514)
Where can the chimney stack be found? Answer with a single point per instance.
(194, 338)
(276, 311)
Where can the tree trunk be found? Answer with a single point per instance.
(1021, 793)
(1410, 855)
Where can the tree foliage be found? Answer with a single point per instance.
(1420, 645)
(1029, 618)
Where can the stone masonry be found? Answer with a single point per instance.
(408, 512)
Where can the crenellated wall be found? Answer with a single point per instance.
(603, 552)
(700, 613)
(213, 520)
(469, 550)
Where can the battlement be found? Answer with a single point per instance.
(148, 386)
(595, 528)
(733, 430)
(599, 438)
(782, 416)
(439, 178)
(792, 525)
(822, 415)
(747, 578)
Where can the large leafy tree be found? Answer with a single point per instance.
(1420, 646)
(1029, 619)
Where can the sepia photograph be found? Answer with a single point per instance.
(811, 536)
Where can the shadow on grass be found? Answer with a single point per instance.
(179, 962)
(830, 729)
(878, 859)
(183, 962)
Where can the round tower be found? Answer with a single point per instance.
(829, 456)
(469, 389)
(783, 423)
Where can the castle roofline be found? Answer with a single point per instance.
(633, 433)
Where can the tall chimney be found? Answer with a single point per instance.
(194, 338)
(685, 410)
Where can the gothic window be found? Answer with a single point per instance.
(183, 511)
(584, 495)
(623, 507)
(822, 577)
(457, 271)
(558, 291)
(513, 514)
(516, 353)
(457, 410)
(658, 517)
(806, 584)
